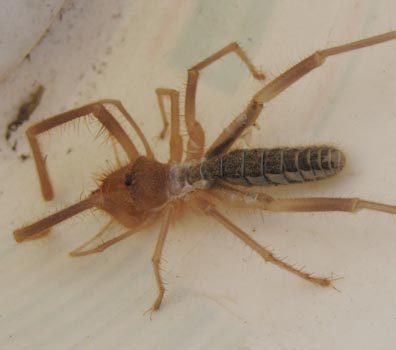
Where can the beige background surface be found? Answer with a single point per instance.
(23, 24)
(220, 294)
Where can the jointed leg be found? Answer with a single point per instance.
(128, 117)
(99, 112)
(156, 258)
(79, 250)
(266, 254)
(279, 84)
(106, 244)
(328, 204)
(265, 202)
(176, 141)
(41, 228)
(116, 154)
(196, 134)
(161, 92)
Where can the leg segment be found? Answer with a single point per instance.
(156, 258)
(99, 112)
(328, 204)
(265, 202)
(279, 84)
(131, 121)
(42, 227)
(116, 154)
(196, 134)
(264, 252)
(176, 141)
(106, 244)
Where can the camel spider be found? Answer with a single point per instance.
(144, 190)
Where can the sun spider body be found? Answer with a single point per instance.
(145, 190)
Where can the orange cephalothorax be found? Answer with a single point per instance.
(133, 192)
(147, 183)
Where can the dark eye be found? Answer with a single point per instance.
(128, 179)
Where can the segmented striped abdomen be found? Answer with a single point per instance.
(262, 167)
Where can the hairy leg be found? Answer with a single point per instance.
(279, 84)
(209, 209)
(81, 251)
(41, 227)
(176, 141)
(156, 258)
(98, 111)
(196, 142)
(263, 201)
(131, 121)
